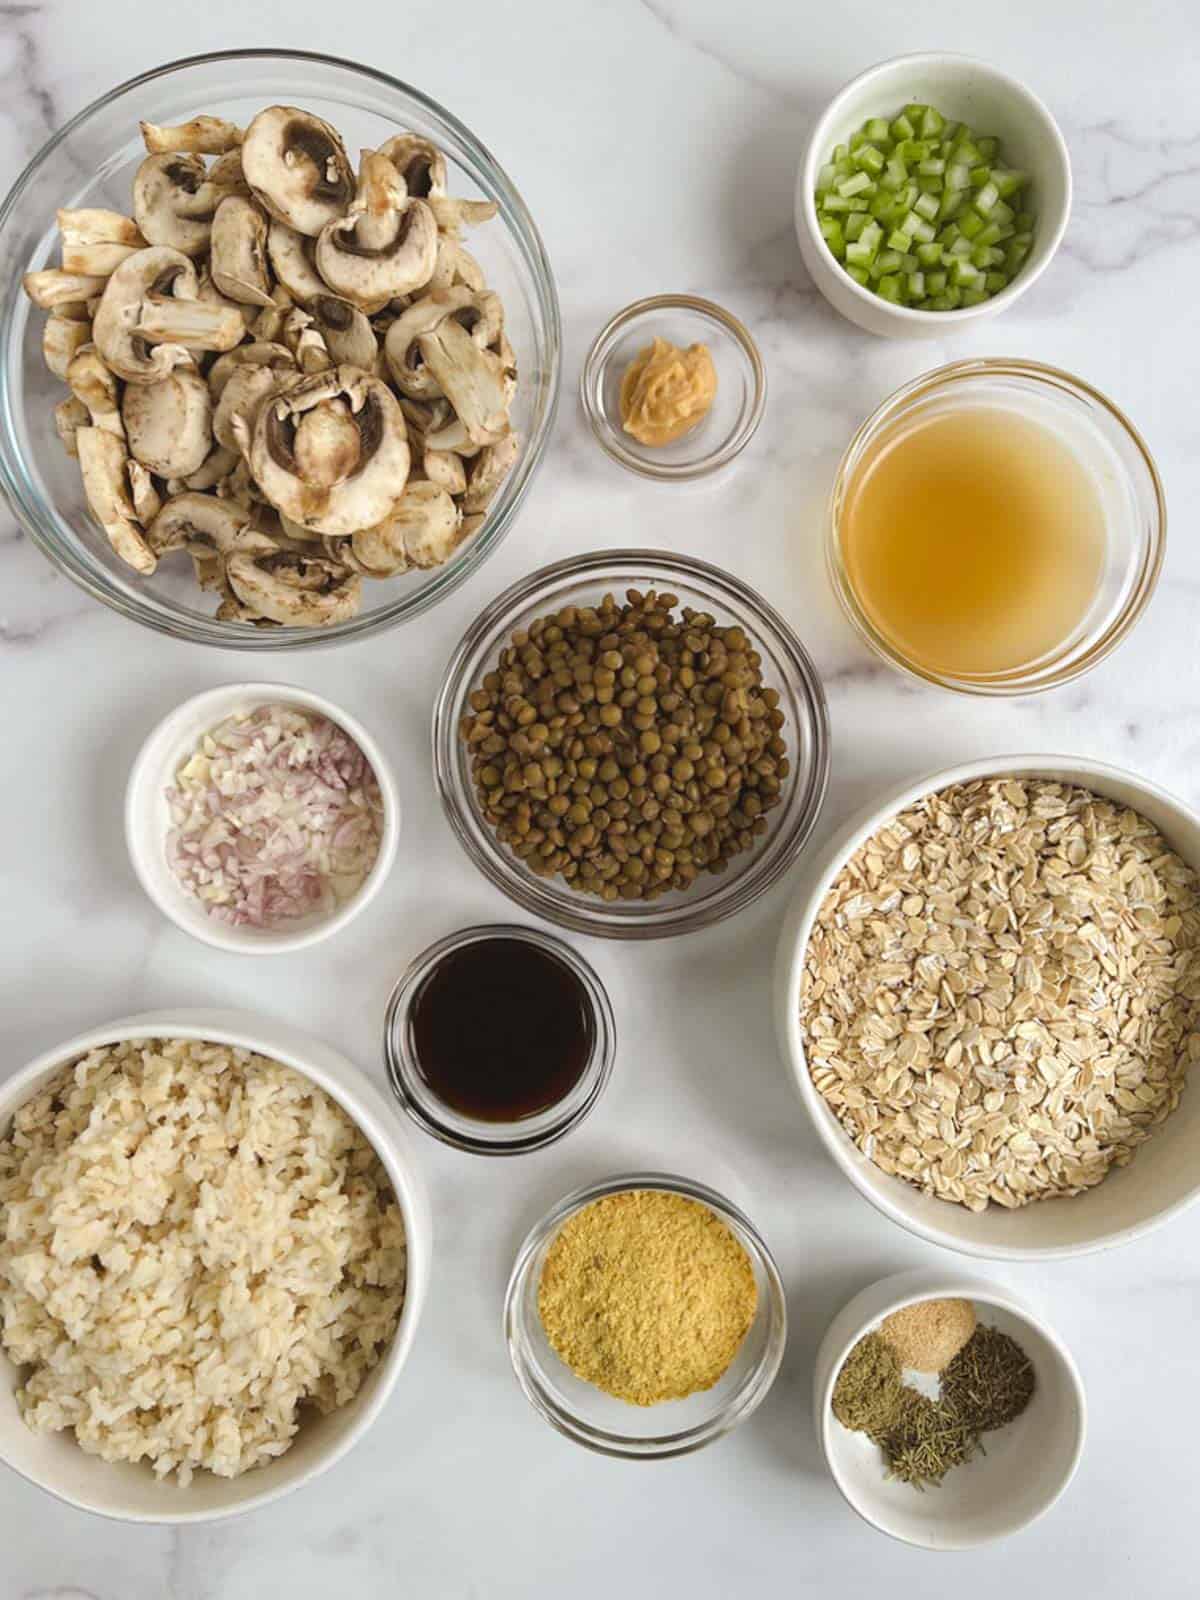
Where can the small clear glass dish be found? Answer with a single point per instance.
(683, 319)
(786, 667)
(614, 1427)
(1108, 445)
(475, 1134)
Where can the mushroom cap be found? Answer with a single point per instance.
(239, 252)
(169, 424)
(291, 256)
(347, 331)
(386, 245)
(419, 162)
(420, 530)
(114, 328)
(331, 450)
(471, 379)
(297, 167)
(200, 520)
(482, 315)
(247, 388)
(262, 353)
(174, 201)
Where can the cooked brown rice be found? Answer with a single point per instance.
(195, 1243)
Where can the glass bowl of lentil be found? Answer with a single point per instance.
(762, 850)
(615, 1427)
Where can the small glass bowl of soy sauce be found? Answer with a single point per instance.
(499, 1039)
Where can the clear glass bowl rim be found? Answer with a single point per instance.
(498, 1138)
(58, 543)
(1048, 677)
(685, 1440)
(545, 898)
(599, 352)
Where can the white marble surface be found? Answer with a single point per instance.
(461, 1490)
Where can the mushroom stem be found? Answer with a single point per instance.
(203, 136)
(201, 324)
(54, 287)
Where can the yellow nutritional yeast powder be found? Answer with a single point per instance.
(647, 1295)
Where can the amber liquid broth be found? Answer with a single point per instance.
(974, 540)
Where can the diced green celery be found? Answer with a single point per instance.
(827, 177)
(926, 205)
(922, 231)
(982, 256)
(841, 152)
(877, 130)
(995, 281)
(868, 158)
(972, 224)
(1023, 221)
(902, 129)
(894, 175)
(973, 297)
(948, 234)
(963, 273)
(988, 147)
(914, 112)
(916, 285)
(849, 187)
(834, 205)
(872, 234)
(932, 167)
(1008, 180)
(930, 185)
(906, 194)
(889, 260)
(859, 253)
(932, 123)
(860, 275)
(908, 263)
(889, 288)
(898, 240)
(958, 175)
(1014, 257)
(883, 207)
(967, 151)
(914, 150)
(985, 201)
(952, 206)
(948, 300)
(831, 232)
(988, 234)
(854, 225)
(935, 282)
(980, 176)
(929, 255)
(960, 250)
(857, 138)
(1002, 212)
(951, 132)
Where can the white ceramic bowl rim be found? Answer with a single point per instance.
(359, 1097)
(790, 971)
(818, 154)
(911, 1288)
(147, 774)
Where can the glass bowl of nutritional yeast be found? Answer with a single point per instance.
(996, 527)
(672, 1240)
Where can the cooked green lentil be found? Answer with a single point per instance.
(626, 749)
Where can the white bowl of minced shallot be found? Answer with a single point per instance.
(260, 818)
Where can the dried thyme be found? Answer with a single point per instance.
(990, 1381)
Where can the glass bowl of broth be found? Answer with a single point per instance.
(996, 527)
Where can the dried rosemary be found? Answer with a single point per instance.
(990, 1381)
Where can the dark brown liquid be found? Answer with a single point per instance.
(501, 1030)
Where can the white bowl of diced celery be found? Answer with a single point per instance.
(934, 190)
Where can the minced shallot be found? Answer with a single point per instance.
(276, 815)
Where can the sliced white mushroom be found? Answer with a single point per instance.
(385, 245)
(95, 241)
(331, 452)
(227, 171)
(239, 252)
(291, 255)
(241, 488)
(420, 530)
(445, 469)
(196, 324)
(297, 167)
(262, 353)
(420, 163)
(147, 502)
(69, 416)
(197, 520)
(404, 358)
(203, 136)
(305, 342)
(456, 265)
(175, 200)
(103, 461)
(218, 464)
(471, 379)
(452, 215)
(169, 424)
(95, 386)
(347, 331)
(488, 471)
(209, 293)
(247, 388)
(52, 287)
(292, 588)
(61, 338)
(114, 330)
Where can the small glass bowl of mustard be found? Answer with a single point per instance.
(728, 419)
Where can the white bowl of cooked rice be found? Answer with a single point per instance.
(214, 1249)
(987, 994)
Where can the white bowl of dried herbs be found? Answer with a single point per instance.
(949, 1412)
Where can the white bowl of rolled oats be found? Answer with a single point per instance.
(988, 993)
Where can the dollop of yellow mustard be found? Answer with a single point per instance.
(666, 391)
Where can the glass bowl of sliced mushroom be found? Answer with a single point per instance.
(281, 350)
